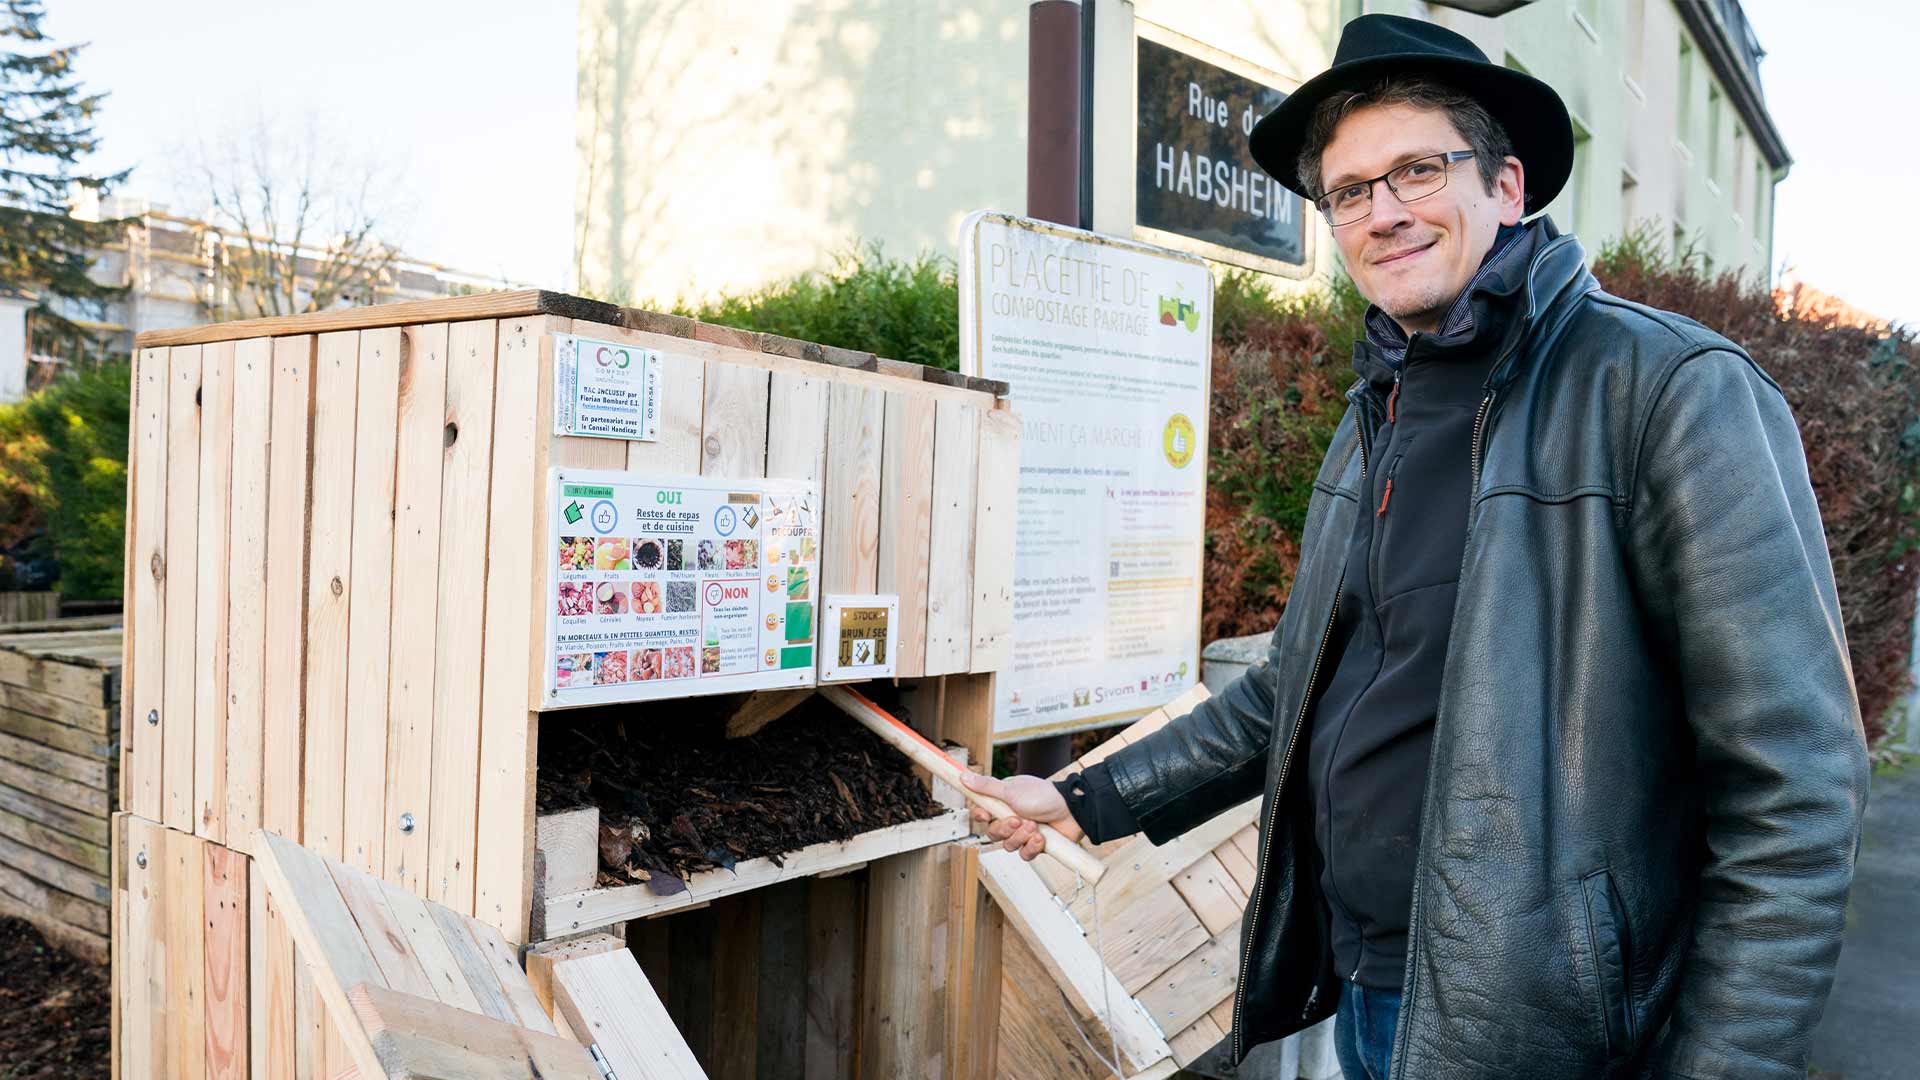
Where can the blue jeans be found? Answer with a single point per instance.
(1363, 1031)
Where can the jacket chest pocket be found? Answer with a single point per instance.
(1609, 947)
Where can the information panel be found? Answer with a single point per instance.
(671, 586)
(605, 389)
(1106, 344)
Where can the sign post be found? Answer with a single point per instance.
(1107, 344)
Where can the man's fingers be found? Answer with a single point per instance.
(983, 785)
(1018, 837)
(1034, 846)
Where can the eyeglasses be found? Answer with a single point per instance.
(1410, 182)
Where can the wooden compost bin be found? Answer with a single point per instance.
(336, 623)
(59, 765)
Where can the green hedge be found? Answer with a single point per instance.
(63, 474)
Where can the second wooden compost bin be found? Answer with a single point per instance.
(335, 621)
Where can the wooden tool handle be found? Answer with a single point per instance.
(935, 760)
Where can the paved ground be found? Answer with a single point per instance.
(1871, 1030)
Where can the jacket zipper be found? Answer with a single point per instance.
(1266, 836)
(1400, 1035)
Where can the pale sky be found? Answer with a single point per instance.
(473, 101)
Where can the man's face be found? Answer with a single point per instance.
(1412, 259)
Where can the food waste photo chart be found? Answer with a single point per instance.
(668, 586)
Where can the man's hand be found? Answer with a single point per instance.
(1034, 800)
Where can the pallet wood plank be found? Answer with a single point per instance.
(832, 1001)
(92, 858)
(850, 540)
(1149, 936)
(489, 305)
(995, 514)
(906, 520)
(183, 526)
(148, 587)
(247, 602)
(29, 802)
(733, 425)
(903, 980)
(479, 987)
(143, 949)
(55, 872)
(212, 592)
(429, 946)
(797, 425)
(1186, 991)
(288, 513)
(515, 625)
(224, 903)
(1152, 867)
(465, 471)
(512, 979)
(385, 939)
(606, 999)
(683, 392)
(376, 452)
(421, 453)
(1233, 857)
(90, 682)
(184, 878)
(65, 792)
(56, 905)
(1211, 892)
(736, 985)
(956, 440)
(273, 986)
(415, 1036)
(66, 737)
(81, 769)
(336, 377)
(96, 719)
(1200, 1037)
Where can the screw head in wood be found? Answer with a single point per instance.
(140, 860)
(406, 822)
(153, 717)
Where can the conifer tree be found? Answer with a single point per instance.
(46, 129)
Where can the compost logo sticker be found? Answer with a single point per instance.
(1177, 312)
(1176, 440)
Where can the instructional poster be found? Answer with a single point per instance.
(1107, 346)
(667, 586)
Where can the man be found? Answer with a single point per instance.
(1561, 762)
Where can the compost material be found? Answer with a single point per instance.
(677, 797)
(54, 1009)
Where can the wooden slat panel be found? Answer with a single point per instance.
(247, 604)
(212, 592)
(515, 627)
(147, 588)
(76, 740)
(43, 867)
(797, 426)
(87, 825)
(1149, 936)
(956, 439)
(903, 981)
(184, 878)
(1211, 892)
(733, 427)
(376, 426)
(323, 930)
(683, 381)
(995, 512)
(79, 768)
(465, 472)
(1238, 864)
(61, 908)
(780, 1001)
(850, 541)
(142, 952)
(92, 685)
(287, 524)
(385, 938)
(65, 792)
(1196, 1040)
(336, 379)
(736, 985)
(64, 710)
(607, 1000)
(443, 972)
(92, 858)
(512, 979)
(1152, 866)
(310, 1026)
(183, 528)
(416, 597)
(224, 903)
(906, 521)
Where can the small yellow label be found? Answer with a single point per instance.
(1177, 442)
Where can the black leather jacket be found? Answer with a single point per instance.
(1648, 768)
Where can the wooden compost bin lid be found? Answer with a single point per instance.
(521, 302)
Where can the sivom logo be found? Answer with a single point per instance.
(1177, 312)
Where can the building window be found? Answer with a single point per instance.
(1683, 93)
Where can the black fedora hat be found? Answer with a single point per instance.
(1374, 47)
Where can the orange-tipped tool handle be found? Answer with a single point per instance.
(935, 760)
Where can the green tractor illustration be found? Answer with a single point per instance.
(1174, 311)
